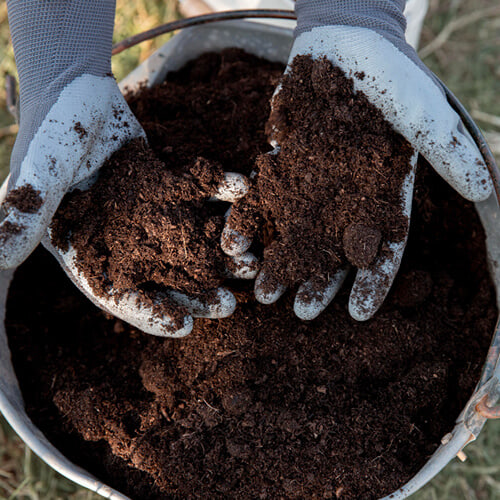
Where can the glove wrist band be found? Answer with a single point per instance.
(383, 16)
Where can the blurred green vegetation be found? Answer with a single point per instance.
(136, 17)
(467, 60)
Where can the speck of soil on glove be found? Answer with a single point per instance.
(26, 199)
(261, 404)
(80, 130)
(333, 191)
(8, 229)
(146, 224)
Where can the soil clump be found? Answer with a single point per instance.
(331, 193)
(261, 404)
(26, 199)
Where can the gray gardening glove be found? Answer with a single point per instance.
(72, 118)
(366, 39)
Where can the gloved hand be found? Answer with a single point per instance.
(72, 118)
(366, 40)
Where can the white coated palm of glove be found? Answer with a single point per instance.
(411, 100)
(89, 122)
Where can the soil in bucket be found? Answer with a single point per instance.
(262, 404)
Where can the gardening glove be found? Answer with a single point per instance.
(366, 39)
(72, 118)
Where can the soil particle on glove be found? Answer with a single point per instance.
(146, 225)
(332, 192)
(26, 199)
(9, 229)
(80, 130)
(261, 404)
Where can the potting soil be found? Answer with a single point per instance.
(262, 404)
(145, 229)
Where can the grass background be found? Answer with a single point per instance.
(461, 44)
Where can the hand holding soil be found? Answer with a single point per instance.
(137, 244)
(143, 241)
(336, 191)
(88, 122)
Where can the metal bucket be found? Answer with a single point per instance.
(274, 44)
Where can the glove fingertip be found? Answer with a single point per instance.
(223, 304)
(268, 289)
(307, 311)
(245, 266)
(233, 187)
(233, 243)
(169, 327)
(361, 310)
(473, 184)
(314, 296)
(460, 163)
(219, 303)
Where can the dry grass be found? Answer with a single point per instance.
(25, 477)
(461, 43)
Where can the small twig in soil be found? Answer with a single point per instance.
(209, 405)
